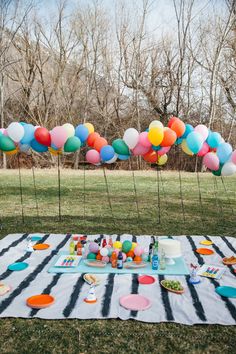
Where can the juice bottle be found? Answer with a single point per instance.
(72, 247)
(120, 260)
(110, 241)
(79, 247)
(155, 258)
(113, 260)
(162, 260)
(104, 243)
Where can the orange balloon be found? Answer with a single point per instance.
(169, 137)
(171, 121)
(138, 259)
(99, 143)
(179, 127)
(151, 156)
(91, 138)
(98, 257)
(130, 254)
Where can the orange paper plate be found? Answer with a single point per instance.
(41, 246)
(40, 301)
(205, 251)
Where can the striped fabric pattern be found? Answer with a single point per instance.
(199, 304)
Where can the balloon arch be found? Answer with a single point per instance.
(153, 144)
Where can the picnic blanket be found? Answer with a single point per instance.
(199, 304)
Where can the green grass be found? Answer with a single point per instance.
(215, 215)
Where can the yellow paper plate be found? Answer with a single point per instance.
(206, 243)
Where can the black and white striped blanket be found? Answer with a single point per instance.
(199, 304)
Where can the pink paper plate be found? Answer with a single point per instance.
(135, 302)
(146, 279)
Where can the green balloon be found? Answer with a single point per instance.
(91, 256)
(120, 147)
(6, 144)
(218, 172)
(126, 246)
(72, 144)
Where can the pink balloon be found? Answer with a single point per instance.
(203, 130)
(211, 161)
(143, 139)
(106, 259)
(140, 150)
(58, 136)
(124, 256)
(163, 150)
(93, 156)
(204, 150)
(4, 131)
(233, 157)
(138, 251)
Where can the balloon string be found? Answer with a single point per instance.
(199, 191)
(21, 190)
(108, 194)
(158, 198)
(226, 193)
(163, 190)
(84, 196)
(35, 189)
(135, 193)
(218, 204)
(180, 187)
(59, 185)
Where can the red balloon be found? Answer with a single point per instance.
(91, 138)
(169, 137)
(42, 136)
(171, 121)
(99, 143)
(151, 156)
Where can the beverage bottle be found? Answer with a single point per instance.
(79, 247)
(120, 260)
(162, 260)
(155, 258)
(110, 241)
(72, 247)
(104, 243)
(113, 260)
(150, 252)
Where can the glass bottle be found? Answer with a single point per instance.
(162, 260)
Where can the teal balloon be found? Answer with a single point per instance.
(194, 142)
(156, 148)
(6, 143)
(218, 172)
(120, 147)
(214, 139)
(188, 129)
(72, 144)
(123, 157)
(91, 256)
(126, 246)
(37, 146)
(224, 152)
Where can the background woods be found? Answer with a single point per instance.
(118, 66)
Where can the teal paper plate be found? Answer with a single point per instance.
(18, 266)
(36, 238)
(226, 291)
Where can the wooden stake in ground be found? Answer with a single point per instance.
(158, 198)
(21, 190)
(108, 194)
(35, 189)
(59, 185)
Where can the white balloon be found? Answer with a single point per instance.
(131, 137)
(228, 169)
(15, 131)
(156, 124)
(69, 129)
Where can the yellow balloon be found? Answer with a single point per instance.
(162, 160)
(185, 148)
(118, 245)
(156, 135)
(156, 124)
(90, 127)
(69, 129)
(134, 244)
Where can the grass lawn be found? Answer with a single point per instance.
(208, 207)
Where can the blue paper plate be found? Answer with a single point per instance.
(18, 266)
(226, 291)
(36, 238)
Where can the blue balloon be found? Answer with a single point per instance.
(24, 147)
(38, 147)
(224, 152)
(107, 153)
(28, 135)
(82, 132)
(188, 129)
(194, 142)
(156, 148)
(214, 139)
(179, 141)
(23, 123)
(123, 157)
